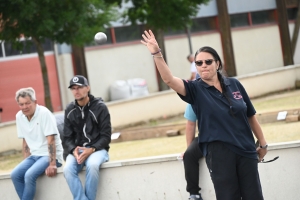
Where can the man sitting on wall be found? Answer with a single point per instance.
(86, 138)
(42, 148)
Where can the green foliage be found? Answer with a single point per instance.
(69, 21)
(164, 14)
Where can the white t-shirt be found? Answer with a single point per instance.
(193, 67)
(42, 124)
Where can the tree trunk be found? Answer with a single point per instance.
(296, 30)
(159, 35)
(40, 51)
(226, 38)
(284, 33)
(79, 61)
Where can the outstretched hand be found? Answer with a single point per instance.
(150, 41)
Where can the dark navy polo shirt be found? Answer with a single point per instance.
(215, 120)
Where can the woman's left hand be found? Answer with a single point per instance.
(261, 153)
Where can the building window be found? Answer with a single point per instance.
(262, 17)
(128, 33)
(27, 47)
(203, 24)
(171, 31)
(238, 20)
(292, 13)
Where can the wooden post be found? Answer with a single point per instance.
(225, 30)
(296, 30)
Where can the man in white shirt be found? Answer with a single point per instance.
(42, 148)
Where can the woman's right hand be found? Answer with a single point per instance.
(150, 41)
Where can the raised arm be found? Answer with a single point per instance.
(173, 82)
(51, 169)
(25, 149)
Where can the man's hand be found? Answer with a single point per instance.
(51, 170)
(76, 152)
(85, 153)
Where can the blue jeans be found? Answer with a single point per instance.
(92, 163)
(24, 175)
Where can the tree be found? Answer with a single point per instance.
(63, 21)
(161, 15)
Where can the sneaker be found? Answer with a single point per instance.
(195, 197)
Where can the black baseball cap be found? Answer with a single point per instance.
(78, 80)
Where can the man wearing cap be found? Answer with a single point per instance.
(86, 138)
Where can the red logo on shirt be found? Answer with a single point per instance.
(237, 95)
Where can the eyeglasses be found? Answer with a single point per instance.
(207, 62)
(263, 160)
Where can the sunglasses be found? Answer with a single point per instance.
(263, 160)
(207, 62)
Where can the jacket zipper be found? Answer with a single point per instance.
(84, 126)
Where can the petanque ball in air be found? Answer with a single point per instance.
(100, 38)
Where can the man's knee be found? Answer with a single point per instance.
(29, 177)
(14, 175)
(94, 168)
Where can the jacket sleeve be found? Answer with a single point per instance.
(68, 138)
(104, 128)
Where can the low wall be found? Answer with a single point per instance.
(167, 103)
(162, 178)
(268, 81)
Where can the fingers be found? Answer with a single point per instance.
(143, 42)
(149, 34)
(82, 157)
(261, 153)
(51, 171)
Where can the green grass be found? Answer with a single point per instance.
(277, 102)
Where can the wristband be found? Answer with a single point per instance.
(156, 52)
(264, 147)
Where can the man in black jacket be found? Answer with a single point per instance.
(86, 138)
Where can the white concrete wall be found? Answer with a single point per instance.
(260, 83)
(162, 178)
(65, 73)
(257, 49)
(105, 66)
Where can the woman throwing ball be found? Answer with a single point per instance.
(226, 121)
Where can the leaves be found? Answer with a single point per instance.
(69, 21)
(164, 14)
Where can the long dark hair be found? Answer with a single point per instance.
(221, 74)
